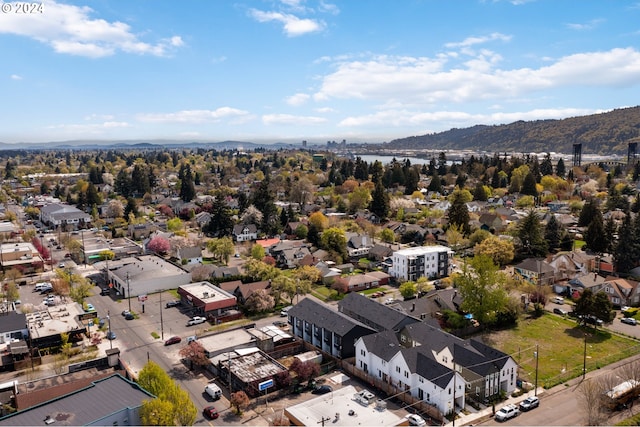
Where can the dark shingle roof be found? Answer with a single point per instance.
(322, 316)
(385, 344)
(13, 321)
(373, 313)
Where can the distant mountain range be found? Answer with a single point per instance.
(602, 134)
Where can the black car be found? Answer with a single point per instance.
(105, 291)
(323, 389)
(172, 304)
(129, 316)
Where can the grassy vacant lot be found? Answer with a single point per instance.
(561, 348)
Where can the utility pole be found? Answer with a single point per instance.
(323, 420)
(128, 292)
(161, 324)
(109, 320)
(584, 359)
(536, 354)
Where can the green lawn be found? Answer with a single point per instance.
(561, 348)
(577, 244)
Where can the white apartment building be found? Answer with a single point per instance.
(428, 261)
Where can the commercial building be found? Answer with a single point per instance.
(142, 275)
(209, 301)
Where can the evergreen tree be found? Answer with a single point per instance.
(624, 254)
(458, 213)
(531, 236)
(131, 208)
(479, 194)
(379, 204)
(435, 184)
(187, 187)
(93, 198)
(529, 185)
(264, 200)
(411, 180)
(546, 168)
(587, 213)
(122, 183)
(595, 235)
(553, 233)
(560, 168)
(221, 224)
(610, 230)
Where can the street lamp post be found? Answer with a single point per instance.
(128, 292)
(584, 358)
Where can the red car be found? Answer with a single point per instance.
(173, 340)
(210, 412)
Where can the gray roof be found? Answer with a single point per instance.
(85, 406)
(12, 321)
(385, 344)
(322, 316)
(535, 265)
(372, 313)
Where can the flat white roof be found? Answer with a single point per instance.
(419, 250)
(337, 406)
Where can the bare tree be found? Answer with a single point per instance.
(590, 392)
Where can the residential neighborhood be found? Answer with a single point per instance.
(272, 274)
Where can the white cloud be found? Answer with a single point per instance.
(328, 8)
(71, 30)
(194, 116)
(470, 41)
(90, 128)
(15, 77)
(449, 119)
(288, 119)
(585, 26)
(427, 81)
(298, 99)
(105, 117)
(325, 110)
(292, 25)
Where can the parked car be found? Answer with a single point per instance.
(629, 320)
(507, 412)
(111, 335)
(210, 412)
(285, 311)
(213, 391)
(129, 316)
(529, 403)
(560, 311)
(125, 312)
(323, 389)
(416, 420)
(172, 304)
(173, 340)
(592, 320)
(558, 300)
(105, 291)
(89, 308)
(196, 320)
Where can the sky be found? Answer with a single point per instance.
(314, 70)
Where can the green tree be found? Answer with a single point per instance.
(387, 235)
(157, 412)
(529, 185)
(221, 248)
(240, 401)
(597, 305)
(379, 204)
(459, 213)
(408, 290)
(335, 240)
(587, 213)
(174, 224)
(501, 251)
(187, 187)
(131, 208)
(302, 231)
(258, 252)
(624, 253)
(553, 233)
(482, 288)
(221, 223)
(560, 168)
(531, 236)
(259, 270)
(595, 236)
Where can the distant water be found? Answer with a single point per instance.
(370, 158)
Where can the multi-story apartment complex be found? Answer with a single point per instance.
(428, 261)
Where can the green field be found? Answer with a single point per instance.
(561, 348)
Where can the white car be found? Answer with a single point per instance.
(416, 420)
(196, 320)
(507, 412)
(529, 403)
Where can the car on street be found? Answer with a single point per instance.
(89, 308)
(558, 300)
(210, 412)
(111, 335)
(129, 316)
(285, 311)
(172, 304)
(105, 291)
(529, 403)
(629, 321)
(593, 320)
(416, 420)
(560, 311)
(125, 312)
(173, 340)
(323, 389)
(507, 412)
(196, 320)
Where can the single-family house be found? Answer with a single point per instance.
(536, 271)
(621, 292)
(245, 232)
(190, 254)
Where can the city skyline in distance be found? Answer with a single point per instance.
(294, 70)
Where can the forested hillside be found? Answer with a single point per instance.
(606, 133)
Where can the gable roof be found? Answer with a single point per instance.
(370, 312)
(536, 265)
(190, 252)
(384, 344)
(13, 321)
(321, 315)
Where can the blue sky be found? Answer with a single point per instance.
(315, 70)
